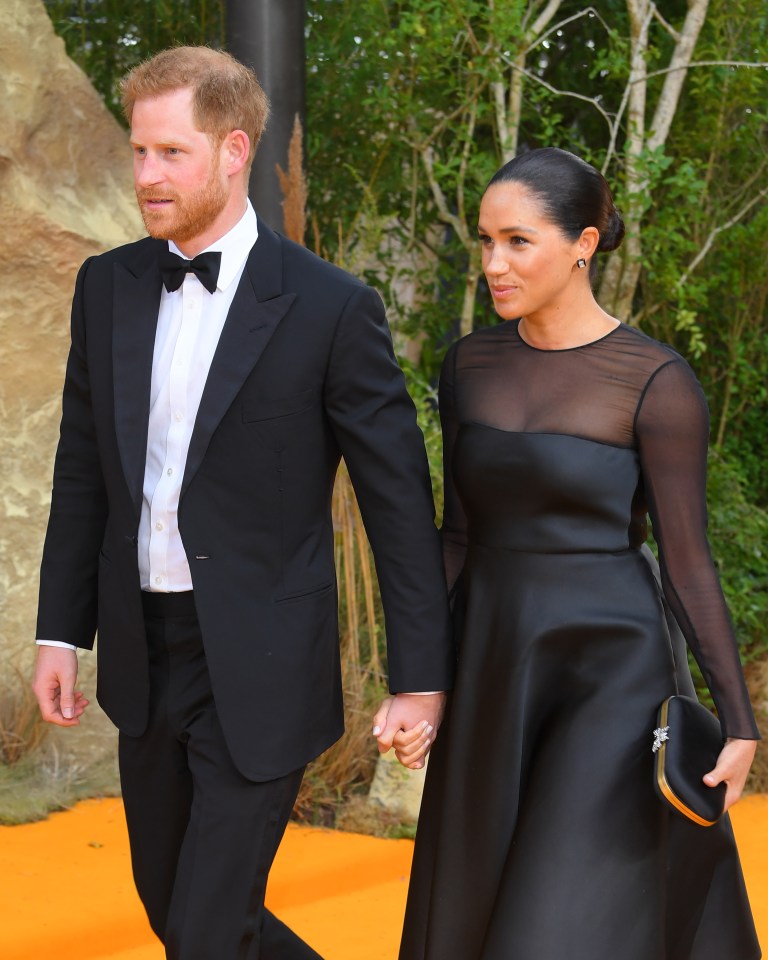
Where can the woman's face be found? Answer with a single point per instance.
(530, 265)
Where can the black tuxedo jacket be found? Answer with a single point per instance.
(304, 373)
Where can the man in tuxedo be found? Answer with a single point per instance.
(217, 374)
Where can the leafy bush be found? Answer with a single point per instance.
(738, 531)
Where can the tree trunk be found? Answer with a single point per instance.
(474, 269)
(617, 290)
(623, 268)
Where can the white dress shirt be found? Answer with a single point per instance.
(189, 324)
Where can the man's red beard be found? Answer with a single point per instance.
(186, 217)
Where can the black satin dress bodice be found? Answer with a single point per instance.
(540, 836)
(515, 482)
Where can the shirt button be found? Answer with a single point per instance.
(158, 579)
(178, 417)
(169, 471)
(158, 525)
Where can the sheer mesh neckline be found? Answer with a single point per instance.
(580, 346)
(592, 391)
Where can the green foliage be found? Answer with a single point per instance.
(715, 311)
(738, 532)
(108, 37)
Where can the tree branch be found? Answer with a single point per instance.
(465, 162)
(716, 231)
(564, 23)
(427, 158)
(675, 78)
(544, 17)
(560, 93)
(760, 65)
(675, 34)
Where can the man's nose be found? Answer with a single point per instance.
(147, 171)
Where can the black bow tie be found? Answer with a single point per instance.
(205, 267)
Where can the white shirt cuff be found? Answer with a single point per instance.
(56, 643)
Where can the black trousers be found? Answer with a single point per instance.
(202, 836)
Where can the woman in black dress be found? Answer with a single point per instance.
(540, 835)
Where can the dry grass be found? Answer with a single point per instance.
(50, 779)
(294, 187)
(22, 729)
(357, 815)
(40, 769)
(349, 765)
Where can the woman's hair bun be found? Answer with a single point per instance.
(613, 234)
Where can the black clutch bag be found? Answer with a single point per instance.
(687, 741)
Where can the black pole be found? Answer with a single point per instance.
(268, 35)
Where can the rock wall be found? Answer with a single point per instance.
(66, 193)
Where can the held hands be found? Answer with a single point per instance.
(54, 686)
(732, 768)
(409, 722)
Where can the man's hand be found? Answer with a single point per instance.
(409, 722)
(732, 768)
(54, 686)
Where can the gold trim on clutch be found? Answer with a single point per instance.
(661, 779)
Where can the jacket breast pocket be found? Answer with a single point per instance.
(257, 411)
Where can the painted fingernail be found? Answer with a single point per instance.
(376, 731)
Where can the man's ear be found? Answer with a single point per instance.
(235, 151)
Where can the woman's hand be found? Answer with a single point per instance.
(409, 722)
(412, 746)
(732, 768)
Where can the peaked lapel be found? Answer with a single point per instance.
(135, 307)
(257, 309)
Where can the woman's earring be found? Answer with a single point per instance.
(581, 263)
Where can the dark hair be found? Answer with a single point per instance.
(573, 193)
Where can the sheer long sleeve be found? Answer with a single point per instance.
(454, 526)
(672, 429)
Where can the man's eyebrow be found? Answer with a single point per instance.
(161, 144)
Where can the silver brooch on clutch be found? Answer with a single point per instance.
(660, 735)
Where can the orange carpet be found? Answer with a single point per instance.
(66, 887)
